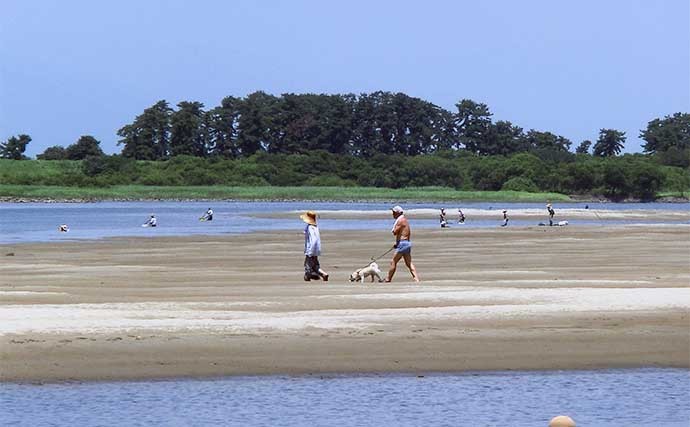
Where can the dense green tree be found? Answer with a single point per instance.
(669, 132)
(222, 126)
(610, 143)
(581, 177)
(674, 156)
(14, 147)
(547, 141)
(645, 180)
(188, 135)
(678, 180)
(56, 152)
(473, 122)
(615, 181)
(85, 146)
(255, 123)
(583, 148)
(502, 138)
(148, 137)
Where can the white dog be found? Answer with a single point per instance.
(370, 270)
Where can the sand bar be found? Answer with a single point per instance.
(515, 298)
(679, 215)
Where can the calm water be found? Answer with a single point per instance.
(36, 222)
(630, 398)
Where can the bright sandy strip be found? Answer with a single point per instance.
(563, 212)
(514, 298)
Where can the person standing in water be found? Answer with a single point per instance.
(551, 213)
(312, 249)
(442, 218)
(461, 217)
(505, 218)
(403, 246)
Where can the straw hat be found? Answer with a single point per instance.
(548, 205)
(397, 209)
(309, 217)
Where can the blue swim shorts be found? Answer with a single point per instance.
(404, 247)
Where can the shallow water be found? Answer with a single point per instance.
(38, 222)
(631, 398)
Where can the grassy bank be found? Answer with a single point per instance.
(141, 192)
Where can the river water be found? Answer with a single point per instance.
(38, 222)
(612, 398)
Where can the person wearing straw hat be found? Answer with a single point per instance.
(403, 246)
(312, 249)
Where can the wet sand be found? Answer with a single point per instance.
(513, 298)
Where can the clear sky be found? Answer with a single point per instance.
(85, 67)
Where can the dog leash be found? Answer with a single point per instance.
(380, 256)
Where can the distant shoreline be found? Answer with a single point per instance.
(49, 200)
(135, 193)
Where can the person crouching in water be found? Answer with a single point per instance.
(312, 249)
(461, 217)
(208, 216)
(403, 246)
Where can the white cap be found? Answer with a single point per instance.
(397, 209)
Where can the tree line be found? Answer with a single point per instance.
(360, 126)
(380, 139)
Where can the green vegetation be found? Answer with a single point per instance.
(380, 140)
(444, 176)
(136, 192)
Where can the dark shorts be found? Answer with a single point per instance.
(312, 266)
(404, 247)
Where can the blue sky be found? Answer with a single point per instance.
(71, 68)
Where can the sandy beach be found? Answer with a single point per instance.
(514, 298)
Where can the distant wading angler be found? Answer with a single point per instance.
(207, 216)
(152, 221)
(403, 246)
(461, 217)
(312, 249)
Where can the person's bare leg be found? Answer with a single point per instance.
(323, 275)
(394, 264)
(411, 267)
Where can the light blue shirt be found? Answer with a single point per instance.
(312, 241)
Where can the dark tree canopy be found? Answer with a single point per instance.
(669, 132)
(14, 147)
(148, 137)
(610, 143)
(85, 146)
(56, 152)
(188, 135)
(583, 148)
